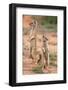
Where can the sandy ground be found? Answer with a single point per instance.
(28, 63)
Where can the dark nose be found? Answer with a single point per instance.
(31, 24)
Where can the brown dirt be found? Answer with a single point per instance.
(28, 65)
